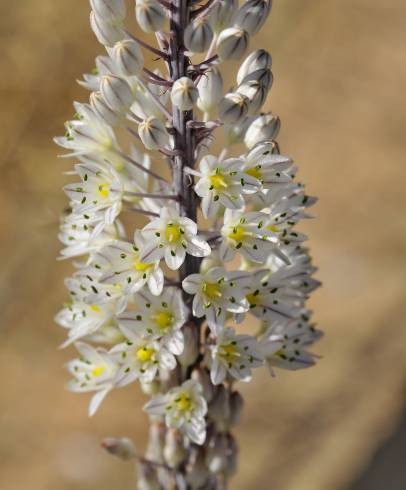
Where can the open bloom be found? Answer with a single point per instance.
(120, 264)
(246, 233)
(184, 408)
(171, 236)
(160, 317)
(216, 292)
(99, 194)
(284, 344)
(96, 371)
(223, 182)
(235, 355)
(141, 357)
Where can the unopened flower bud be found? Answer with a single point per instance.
(222, 15)
(232, 455)
(184, 94)
(151, 388)
(262, 76)
(252, 15)
(198, 35)
(150, 15)
(234, 133)
(123, 447)
(128, 57)
(116, 92)
(232, 43)
(191, 351)
(153, 133)
(257, 60)
(265, 127)
(109, 10)
(169, 379)
(256, 94)
(103, 110)
(233, 107)
(236, 406)
(107, 34)
(202, 376)
(156, 441)
(148, 477)
(174, 450)
(216, 456)
(219, 409)
(197, 473)
(210, 87)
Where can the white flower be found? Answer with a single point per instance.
(267, 167)
(247, 234)
(223, 183)
(140, 358)
(96, 371)
(171, 237)
(120, 264)
(270, 299)
(235, 355)
(216, 292)
(88, 135)
(99, 193)
(160, 317)
(284, 344)
(88, 312)
(184, 408)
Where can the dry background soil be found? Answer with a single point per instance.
(340, 76)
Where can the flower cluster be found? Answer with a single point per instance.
(163, 304)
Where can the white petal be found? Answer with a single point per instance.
(96, 400)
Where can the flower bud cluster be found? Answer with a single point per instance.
(163, 304)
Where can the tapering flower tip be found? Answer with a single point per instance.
(198, 35)
(174, 451)
(103, 110)
(190, 351)
(153, 133)
(233, 107)
(184, 94)
(107, 33)
(210, 87)
(236, 406)
(122, 447)
(252, 15)
(128, 57)
(109, 10)
(222, 15)
(116, 92)
(262, 76)
(258, 59)
(235, 133)
(232, 43)
(150, 15)
(265, 127)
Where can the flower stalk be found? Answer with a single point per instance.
(162, 305)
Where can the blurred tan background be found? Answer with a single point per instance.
(340, 78)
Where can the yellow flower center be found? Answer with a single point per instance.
(253, 299)
(237, 234)
(164, 319)
(229, 351)
(97, 371)
(104, 190)
(184, 403)
(218, 181)
(144, 354)
(95, 308)
(273, 228)
(173, 233)
(141, 266)
(254, 172)
(212, 290)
